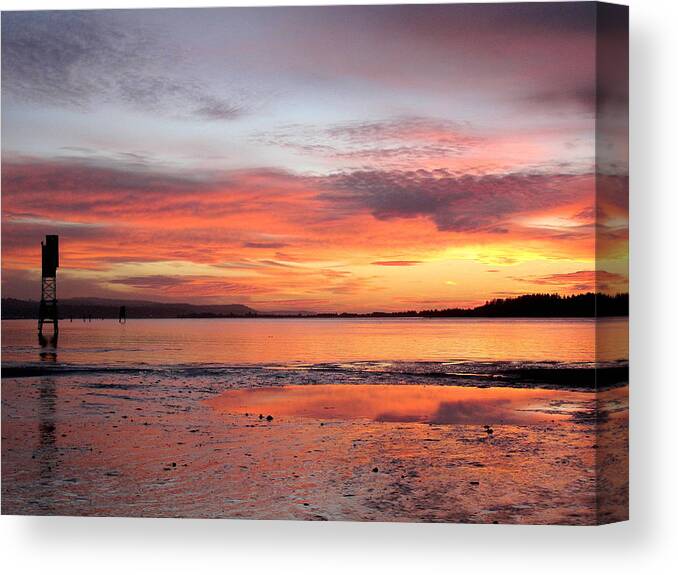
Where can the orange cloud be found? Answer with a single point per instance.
(349, 241)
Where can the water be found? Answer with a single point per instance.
(173, 342)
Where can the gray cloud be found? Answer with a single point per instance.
(80, 59)
(453, 203)
(582, 97)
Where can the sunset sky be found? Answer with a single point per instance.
(320, 159)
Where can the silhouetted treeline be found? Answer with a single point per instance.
(532, 305)
(544, 305)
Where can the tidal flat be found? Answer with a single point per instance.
(150, 445)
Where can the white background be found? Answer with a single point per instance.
(646, 544)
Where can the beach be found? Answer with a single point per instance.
(462, 440)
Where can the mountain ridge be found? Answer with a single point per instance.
(13, 308)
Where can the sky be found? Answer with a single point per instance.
(316, 158)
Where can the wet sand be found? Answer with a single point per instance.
(143, 445)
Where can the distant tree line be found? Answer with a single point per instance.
(546, 305)
(532, 305)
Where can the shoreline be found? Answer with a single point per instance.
(525, 375)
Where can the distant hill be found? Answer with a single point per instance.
(110, 308)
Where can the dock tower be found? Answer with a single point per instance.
(49, 312)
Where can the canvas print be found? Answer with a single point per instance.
(364, 263)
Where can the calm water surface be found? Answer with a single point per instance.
(267, 341)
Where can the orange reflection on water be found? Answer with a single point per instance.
(256, 341)
(404, 403)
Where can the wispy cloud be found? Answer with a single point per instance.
(86, 59)
(397, 263)
(396, 141)
(583, 280)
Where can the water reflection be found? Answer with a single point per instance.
(235, 341)
(403, 403)
(47, 450)
(48, 356)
